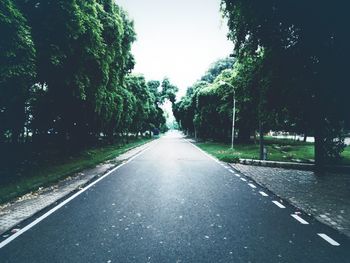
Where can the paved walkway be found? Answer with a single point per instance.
(325, 197)
(13, 213)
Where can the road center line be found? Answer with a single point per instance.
(278, 204)
(302, 221)
(237, 175)
(328, 239)
(263, 193)
(231, 171)
(244, 180)
(252, 186)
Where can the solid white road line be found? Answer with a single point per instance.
(263, 193)
(278, 204)
(302, 221)
(328, 239)
(244, 180)
(38, 220)
(208, 155)
(252, 186)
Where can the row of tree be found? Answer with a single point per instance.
(289, 75)
(205, 111)
(65, 73)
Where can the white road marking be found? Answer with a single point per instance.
(231, 171)
(54, 209)
(278, 204)
(252, 186)
(244, 180)
(263, 193)
(237, 175)
(302, 221)
(208, 155)
(328, 239)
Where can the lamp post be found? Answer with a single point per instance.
(233, 110)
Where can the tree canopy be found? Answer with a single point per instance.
(66, 74)
(303, 66)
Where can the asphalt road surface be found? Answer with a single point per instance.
(173, 203)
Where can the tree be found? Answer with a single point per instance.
(304, 58)
(206, 110)
(17, 70)
(217, 67)
(169, 90)
(83, 56)
(157, 119)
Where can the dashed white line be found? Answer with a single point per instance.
(328, 239)
(237, 175)
(244, 180)
(302, 221)
(252, 186)
(231, 171)
(263, 193)
(278, 204)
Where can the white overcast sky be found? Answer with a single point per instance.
(177, 38)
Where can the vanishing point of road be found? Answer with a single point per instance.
(173, 203)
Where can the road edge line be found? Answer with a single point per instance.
(55, 208)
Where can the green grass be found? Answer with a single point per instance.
(50, 173)
(278, 150)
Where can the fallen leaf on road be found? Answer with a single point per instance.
(15, 230)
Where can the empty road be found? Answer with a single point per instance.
(173, 203)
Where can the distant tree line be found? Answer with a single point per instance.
(290, 75)
(65, 74)
(205, 111)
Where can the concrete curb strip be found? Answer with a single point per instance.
(293, 165)
(288, 165)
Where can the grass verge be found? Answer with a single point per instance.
(48, 174)
(284, 150)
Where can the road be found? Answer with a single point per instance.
(173, 203)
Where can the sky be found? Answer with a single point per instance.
(178, 39)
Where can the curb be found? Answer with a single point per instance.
(287, 165)
(295, 166)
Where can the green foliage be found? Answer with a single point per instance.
(217, 67)
(302, 73)
(169, 90)
(17, 70)
(65, 74)
(206, 110)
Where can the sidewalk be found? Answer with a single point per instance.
(326, 197)
(13, 213)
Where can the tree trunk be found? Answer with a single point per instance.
(319, 148)
(261, 140)
(244, 132)
(305, 137)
